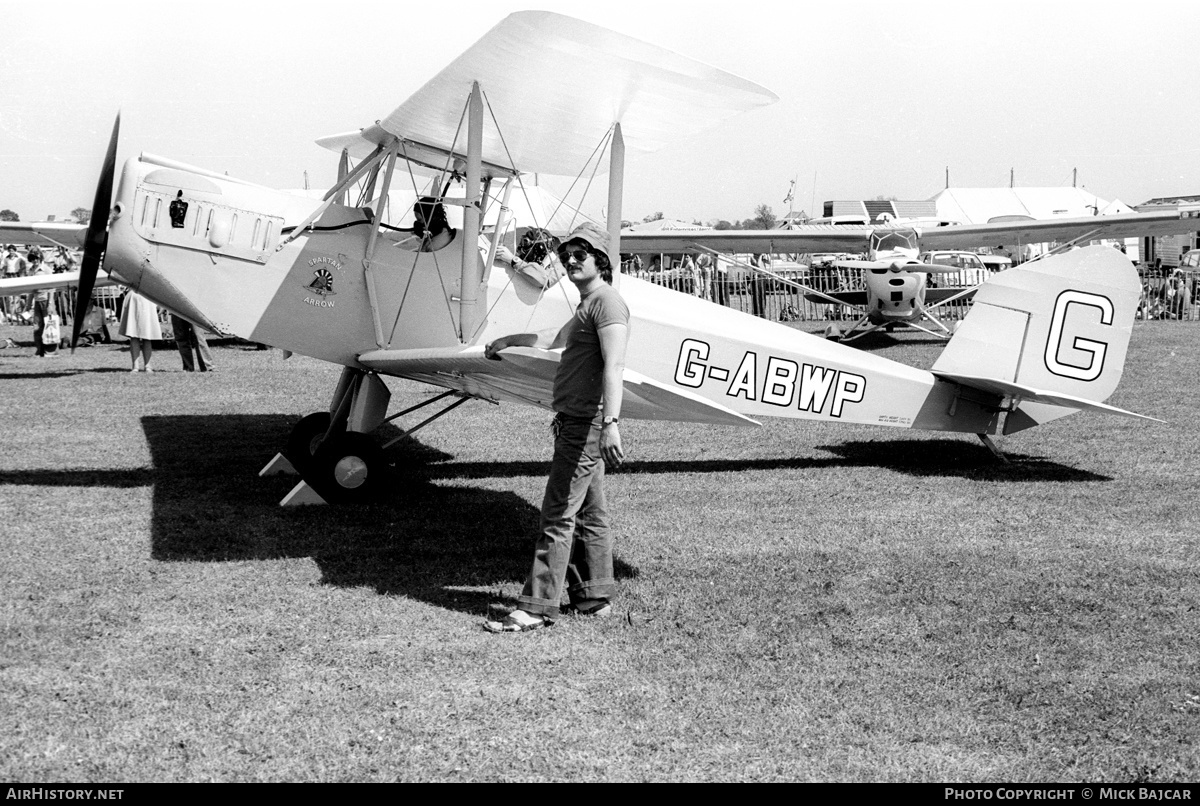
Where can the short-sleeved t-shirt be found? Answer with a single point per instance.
(579, 382)
(13, 265)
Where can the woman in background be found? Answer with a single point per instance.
(139, 322)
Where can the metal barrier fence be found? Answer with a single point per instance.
(106, 302)
(1176, 297)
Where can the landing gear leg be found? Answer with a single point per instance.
(999, 454)
(338, 461)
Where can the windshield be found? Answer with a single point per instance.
(894, 243)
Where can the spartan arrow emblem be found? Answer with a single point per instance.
(322, 283)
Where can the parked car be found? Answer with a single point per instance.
(996, 262)
(788, 270)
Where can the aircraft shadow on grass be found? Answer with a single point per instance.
(952, 457)
(42, 376)
(915, 457)
(119, 479)
(452, 546)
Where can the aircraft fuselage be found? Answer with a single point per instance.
(220, 264)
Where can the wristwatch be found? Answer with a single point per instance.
(611, 420)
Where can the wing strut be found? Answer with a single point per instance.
(616, 190)
(372, 238)
(1058, 250)
(468, 305)
(332, 195)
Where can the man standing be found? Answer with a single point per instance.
(43, 309)
(14, 264)
(14, 267)
(192, 346)
(574, 549)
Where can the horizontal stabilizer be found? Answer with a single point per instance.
(1026, 393)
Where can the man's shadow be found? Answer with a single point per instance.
(452, 546)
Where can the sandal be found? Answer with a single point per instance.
(516, 621)
(600, 608)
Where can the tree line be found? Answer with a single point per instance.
(82, 215)
(763, 218)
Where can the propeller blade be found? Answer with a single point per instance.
(97, 234)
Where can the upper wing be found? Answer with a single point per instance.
(832, 238)
(555, 85)
(526, 375)
(43, 233)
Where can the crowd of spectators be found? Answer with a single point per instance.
(1168, 293)
(21, 309)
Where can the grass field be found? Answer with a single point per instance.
(800, 602)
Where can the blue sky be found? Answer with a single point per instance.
(878, 99)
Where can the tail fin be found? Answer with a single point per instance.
(1052, 333)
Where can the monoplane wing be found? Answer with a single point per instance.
(834, 238)
(814, 238)
(1086, 228)
(43, 233)
(526, 375)
(555, 86)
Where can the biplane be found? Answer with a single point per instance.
(544, 93)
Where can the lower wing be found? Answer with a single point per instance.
(526, 375)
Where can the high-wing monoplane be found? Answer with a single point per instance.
(333, 280)
(896, 288)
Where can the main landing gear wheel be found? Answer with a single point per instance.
(348, 468)
(306, 437)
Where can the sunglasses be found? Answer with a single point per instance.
(580, 255)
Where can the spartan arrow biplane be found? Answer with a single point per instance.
(545, 93)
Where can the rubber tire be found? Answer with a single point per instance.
(306, 437)
(348, 468)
